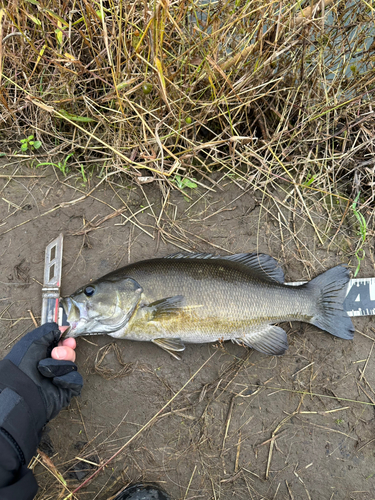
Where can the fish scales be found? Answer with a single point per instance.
(204, 298)
(232, 299)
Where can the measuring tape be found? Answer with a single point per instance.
(360, 297)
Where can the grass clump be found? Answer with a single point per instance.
(360, 252)
(273, 92)
(61, 165)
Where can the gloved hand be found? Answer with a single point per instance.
(57, 380)
(34, 387)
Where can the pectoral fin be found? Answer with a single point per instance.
(171, 345)
(270, 339)
(164, 308)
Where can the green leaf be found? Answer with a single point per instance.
(188, 183)
(183, 183)
(83, 175)
(61, 478)
(360, 255)
(80, 20)
(178, 181)
(59, 36)
(30, 138)
(24, 146)
(309, 181)
(67, 158)
(55, 16)
(75, 118)
(99, 14)
(360, 218)
(47, 163)
(37, 144)
(34, 19)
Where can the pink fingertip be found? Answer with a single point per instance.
(69, 343)
(63, 353)
(58, 353)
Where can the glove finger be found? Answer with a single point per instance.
(51, 368)
(45, 335)
(72, 381)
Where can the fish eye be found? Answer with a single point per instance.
(89, 290)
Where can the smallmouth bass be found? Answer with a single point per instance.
(197, 298)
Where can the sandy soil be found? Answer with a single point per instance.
(247, 425)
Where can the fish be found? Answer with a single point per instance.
(196, 298)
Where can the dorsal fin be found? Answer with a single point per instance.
(181, 255)
(263, 265)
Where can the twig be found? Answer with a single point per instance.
(143, 428)
(367, 360)
(33, 318)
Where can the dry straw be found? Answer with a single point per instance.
(272, 92)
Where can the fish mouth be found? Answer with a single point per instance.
(80, 324)
(74, 317)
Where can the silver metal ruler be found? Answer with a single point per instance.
(52, 282)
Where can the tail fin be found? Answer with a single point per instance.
(329, 289)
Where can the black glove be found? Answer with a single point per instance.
(34, 388)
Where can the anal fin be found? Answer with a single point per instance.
(270, 339)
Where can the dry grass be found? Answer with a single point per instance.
(269, 92)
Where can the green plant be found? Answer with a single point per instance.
(309, 180)
(29, 143)
(183, 182)
(360, 253)
(84, 178)
(61, 165)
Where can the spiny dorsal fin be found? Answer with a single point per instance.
(265, 266)
(181, 255)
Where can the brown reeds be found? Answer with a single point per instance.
(270, 91)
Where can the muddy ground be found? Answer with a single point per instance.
(247, 425)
